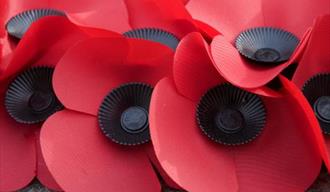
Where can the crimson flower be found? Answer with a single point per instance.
(151, 19)
(100, 141)
(312, 76)
(27, 98)
(208, 134)
(259, 39)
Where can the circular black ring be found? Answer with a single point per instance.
(123, 114)
(20, 23)
(30, 97)
(156, 35)
(266, 44)
(230, 116)
(317, 92)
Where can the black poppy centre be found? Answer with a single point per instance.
(230, 116)
(156, 35)
(317, 92)
(20, 23)
(124, 114)
(266, 44)
(30, 97)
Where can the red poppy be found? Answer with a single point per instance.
(27, 98)
(99, 142)
(162, 21)
(312, 76)
(264, 32)
(209, 134)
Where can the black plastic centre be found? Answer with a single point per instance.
(229, 120)
(322, 108)
(40, 101)
(134, 119)
(267, 55)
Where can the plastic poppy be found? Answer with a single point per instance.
(100, 142)
(209, 134)
(261, 40)
(147, 19)
(312, 76)
(27, 98)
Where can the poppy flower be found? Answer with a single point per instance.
(101, 141)
(312, 76)
(147, 19)
(27, 98)
(209, 134)
(260, 38)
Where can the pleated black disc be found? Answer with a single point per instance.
(317, 92)
(156, 35)
(30, 97)
(231, 116)
(123, 115)
(266, 44)
(19, 24)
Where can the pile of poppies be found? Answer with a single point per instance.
(163, 95)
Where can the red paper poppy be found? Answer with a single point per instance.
(96, 143)
(236, 20)
(27, 72)
(312, 76)
(273, 158)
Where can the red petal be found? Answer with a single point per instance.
(91, 69)
(17, 152)
(188, 157)
(82, 159)
(313, 122)
(240, 71)
(277, 160)
(237, 15)
(193, 66)
(293, 16)
(207, 31)
(50, 38)
(228, 17)
(316, 58)
(92, 13)
(43, 174)
(315, 61)
(158, 14)
(169, 182)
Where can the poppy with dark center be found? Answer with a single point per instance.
(259, 39)
(312, 76)
(28, 98)
(105, 85)
(209, 134)
(162, 21)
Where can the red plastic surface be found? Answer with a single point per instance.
(50, 38)
(232, 17)
(243, 73)
(17, 152)
(275, 161)
(91, 69)
(193, 70)
(170, 15)
(91, 13)
(82, 159)
(316, 60)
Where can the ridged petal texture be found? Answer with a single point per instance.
(19, 24)
(317, 92)
(231, 116)
(115, 104)
(266, 44)
(156, 35)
